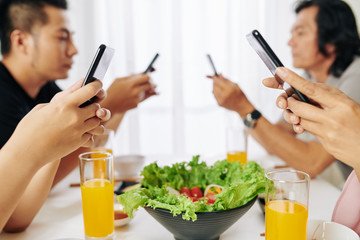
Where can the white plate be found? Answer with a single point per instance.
(324, 230)
(123, 221)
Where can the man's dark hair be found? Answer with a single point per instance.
(22, 15)
(337, 26)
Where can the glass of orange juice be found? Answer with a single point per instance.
(97, 193)
(236, 143)
(102, 142)
(286, 204)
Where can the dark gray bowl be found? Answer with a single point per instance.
(208, 226)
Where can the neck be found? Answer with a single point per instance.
(320, 72)
(25, 75)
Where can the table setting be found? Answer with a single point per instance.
(61, 217)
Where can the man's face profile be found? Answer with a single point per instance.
(53, 47)
(304, 40)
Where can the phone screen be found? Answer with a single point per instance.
(98, 67)
(270, 59)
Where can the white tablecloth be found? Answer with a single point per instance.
(61, 215)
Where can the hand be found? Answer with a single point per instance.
(335, 120)
(102, 113)
(126, 93)
(229, 95)
(51, 131)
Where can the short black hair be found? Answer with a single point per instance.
(337, 26)
(22, 15)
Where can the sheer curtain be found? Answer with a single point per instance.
(185, 118)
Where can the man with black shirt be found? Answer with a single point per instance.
(37, 49)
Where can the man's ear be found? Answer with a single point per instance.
(21, 41)
(330, 48)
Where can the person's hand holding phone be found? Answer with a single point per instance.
(229, 95)
(333, 117)
(127, 92)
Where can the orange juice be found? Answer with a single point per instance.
(285, 220)
(98, 207)
(100, 166)
(237, 156)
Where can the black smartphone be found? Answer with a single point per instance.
(212, 64)
(268, 56)
(98, 67)
(148, 69)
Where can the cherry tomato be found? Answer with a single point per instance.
(196, 192)
(185, 191)
(211, 198)
(194, 199)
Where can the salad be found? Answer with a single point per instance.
(230, 184)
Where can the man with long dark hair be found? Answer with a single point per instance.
(325, 43)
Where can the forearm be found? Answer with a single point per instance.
(68, 164)
(14, 180)
(309, 157)
(32, 199)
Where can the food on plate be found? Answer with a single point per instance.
(221, 186)
(119, 214)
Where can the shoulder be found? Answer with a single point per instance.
(349, 81)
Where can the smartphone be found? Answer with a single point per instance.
(212, 64)
(268, 56)
(98, 67)
(148, 69)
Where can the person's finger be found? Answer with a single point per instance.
(281, 101)
(101, 95)
(90, 110)
(144, 87)
(304, 110)
(104, 114)
(85, 93)
(90, 124)
(87, 140)
(298, 129)
(311, 126)
(141, 78)
(98, 130)
(220, 82)
(271, 83)
(75, 86)
(313, 91)
(291, 117)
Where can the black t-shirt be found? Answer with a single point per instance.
(15, 103)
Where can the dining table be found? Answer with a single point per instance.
(61, 216)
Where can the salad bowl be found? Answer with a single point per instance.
(195, 201)
(209, 225)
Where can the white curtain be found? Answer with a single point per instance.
(185, 118)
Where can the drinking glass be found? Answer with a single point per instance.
(286, 204)
(236, 143)
(102, 143)
(97, 193)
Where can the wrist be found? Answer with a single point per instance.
(250, 120)
(245, 109)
